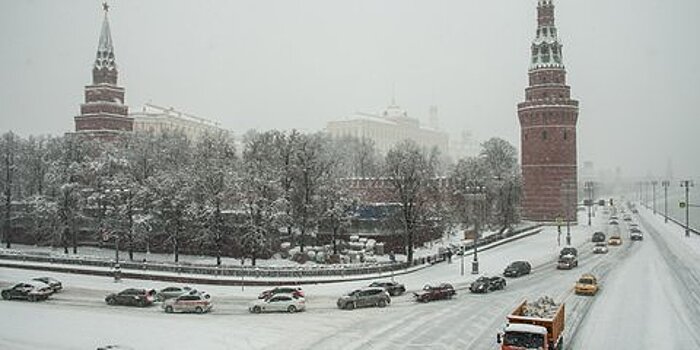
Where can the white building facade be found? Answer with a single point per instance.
(388, 128)
(157, 120)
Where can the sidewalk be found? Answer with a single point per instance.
(221, 276)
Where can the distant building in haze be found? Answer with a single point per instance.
(389, 128)
(157, 120)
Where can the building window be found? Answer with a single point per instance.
(544, 134)
(566, 135)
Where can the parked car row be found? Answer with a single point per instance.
(36, 289)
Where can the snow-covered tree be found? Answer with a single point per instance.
(411, 171)
(66, 179)
(284, 153)
(311, 173)
(261, 195)
(215, 175)
(9, 149)
(504, 181)
(469, 180)
(167, 198)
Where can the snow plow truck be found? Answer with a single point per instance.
(538, 325)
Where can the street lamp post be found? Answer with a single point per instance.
(462, 268)
(687, 184)
(653, 194)
(117, 268)
(568, 187)
(475, 189)
(665, 184)
(588, 186)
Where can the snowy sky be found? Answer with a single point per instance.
(633, 64)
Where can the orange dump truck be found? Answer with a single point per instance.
(539, 325)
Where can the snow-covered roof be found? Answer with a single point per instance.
(525, 328)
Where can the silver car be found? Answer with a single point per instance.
(372, 296)
(278, 303)
(172, 292)
(190, 302)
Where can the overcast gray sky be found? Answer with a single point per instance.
(633, 64)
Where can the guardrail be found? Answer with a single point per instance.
(673, 220)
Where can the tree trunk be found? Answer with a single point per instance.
(301, 239)
(335, 246)
(74, 238)
(176, 250)
(64, 240)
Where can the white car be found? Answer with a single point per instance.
(278, 303)
(600, 248)
(189, 302)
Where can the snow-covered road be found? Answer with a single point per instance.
(652, 300)
(79, 318)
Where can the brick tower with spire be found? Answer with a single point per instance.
(104, 114)
(548, 118)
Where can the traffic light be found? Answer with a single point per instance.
(611, 201)
(681, 204)
(601, 202)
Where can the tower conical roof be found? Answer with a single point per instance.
(105, 48)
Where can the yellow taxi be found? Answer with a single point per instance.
(615, 240)
(587, 284)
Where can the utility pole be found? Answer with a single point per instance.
(640, 191)
(588, 186)
(653, 194)
(665, 184)
(687, 184)
(462, 268)
(476, 189)
(567, 187)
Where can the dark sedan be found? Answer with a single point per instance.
(487, 284)
(598, 237)
(517, 269)
(430, 293)
(132, 297)
(393, 288)
(282, 290)
(32, 291)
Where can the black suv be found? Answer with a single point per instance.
(517, 268)
(486, 284)
(132, 297)
(598, 237)
(393, 288)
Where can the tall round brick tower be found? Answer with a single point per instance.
(548, 129)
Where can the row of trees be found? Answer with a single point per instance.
(166, 191)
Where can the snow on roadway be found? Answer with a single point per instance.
(78, 317)
(644, 304)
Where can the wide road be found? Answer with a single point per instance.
(652, 300)
(79, 318)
